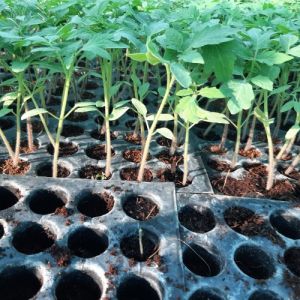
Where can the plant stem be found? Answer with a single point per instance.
(238, 140)
(170, 82)
(174, 140)
(225, 133)
(7, 145)
(29, 130)
(292, 166)
(185, 154)
(60, 123)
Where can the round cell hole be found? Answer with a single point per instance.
(264, 295)
(205, 294)
(137, 288)
(197, 218)
(254, 262)
(140, 208)
(45, 170)
(46, 202)
(95, 205)
(98, 152)
(19, 283)
(70, 130)
(286, 224)
(1, 230)
(140, 245)
(201, 261)
(65, 149)
(8, 197)
(32, 238)
(77, 285)
(292, 260)
(85, 242)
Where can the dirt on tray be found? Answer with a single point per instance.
(294, 174)
(293, 282)
(246, 222)
(98, 152)
(65, 149)
(164, 156)
(97, 135)
(134, 155)
(256, 169)
(215, 149)
(221, 166)
(140, 208)
(93, 172)
(131, 174)
(7, 167)
(284, 157)
(61, 255)
(166, 175)
(133, 138)
(251, 153)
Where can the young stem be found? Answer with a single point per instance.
(7, 145)
(238, 140)
(185, 154)
(225, 133)
(29, 131)
(174, 140)
(170, 82)
(60, 123)
(292, 166)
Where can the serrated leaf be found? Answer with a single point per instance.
(263, 82)
(139, 106)
(117, 113)
(273, 58)
(166, 132)
(34, 112)
(211, 93)
(182, 75)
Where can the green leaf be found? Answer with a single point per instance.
(188, 110)
(9, 97)
(182, 76)
(174, 39)
(117, 113)
(185, 92)
(5, 111)
(34, 112)
(143, 89)
(263, 82)
(139, 106)
(287, 106)
(166, 132)
(140, 57)
(86, 109)
(273, 58)
(100, 103)
(211, 93)
(280, 89)
(295, 51)
(191, 56)
(212, 117)
(292, 132)
(121, 103)
(162, 117)
(259, 114)
(19, 66)
(84, 104)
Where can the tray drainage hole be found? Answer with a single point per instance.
(286, 224)
(140, 246)
(197, 218)
(1, 230)
(19, 283)
(254, 262)
(201, 261)
(140, 208)
(292, 260)
(32, 238)
(8, 197)
(86, 243)
(136, 287)
(264, 295)
(45, 169)
(46, 202)
(205, 294)
(95, 205)
(77, 285)
(243, 220)
(65, 149)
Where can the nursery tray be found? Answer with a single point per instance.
(56, 232)
(227, 257)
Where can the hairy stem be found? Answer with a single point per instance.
(238, 140)
(185, 155)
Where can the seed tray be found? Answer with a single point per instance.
(231, 265)
(74, 163)
(52, 262)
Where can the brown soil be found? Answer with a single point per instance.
(93, 172)
(98, 152)
(25, 149)
(6, 124)
(140, 208)
(166, 175)
(162, 141)
(72, 130)
(6, 167)
(215, 149)
(78, 117)
(46, 171)
(131, 174)
(134, 155)
(246, 222)
(251, 153)
(176, 159)
(294, 174)
(62, 255)
(197, 219)
(62, 211)
(220, 166)
(283, 157)
(256, 169)
(96, 134)
(65, 149)
(133, 138)
(292, 282)
(37, 126)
